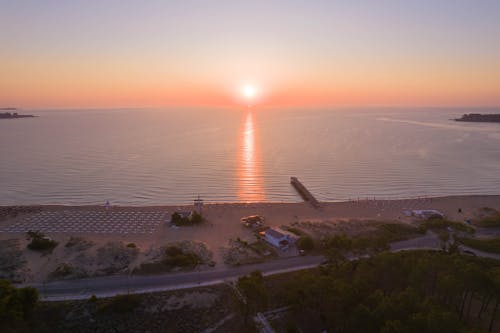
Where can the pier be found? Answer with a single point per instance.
(304, 192)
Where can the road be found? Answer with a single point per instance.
(122, 284)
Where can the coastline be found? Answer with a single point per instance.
(218, 233)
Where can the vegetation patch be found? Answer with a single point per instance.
(305, 243)
(262, 248)
(411, 291)
(16, 307)
(241, 252)
(78, 244)
(176, 257)
(337, 247)
(487, 245)
(194, 219)
(184, 255)
(62, 271)
(441, 224)
(394, 232)
(40, 242)
(487, 218)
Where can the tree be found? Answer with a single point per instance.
(495, 277)
(305, 243)
(196, 218)
(176, 218)
(16, 305)
(253, 293)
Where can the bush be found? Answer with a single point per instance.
(62, 270)
(175, 257)
(178, 220)
(305, 243)
(132, 245)
(16, 305)
(343, 244)
(39, 242)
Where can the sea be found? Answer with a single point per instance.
(173, 155)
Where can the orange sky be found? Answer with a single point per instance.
(89, 54)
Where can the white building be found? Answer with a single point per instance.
(427, 213)
(279, 238)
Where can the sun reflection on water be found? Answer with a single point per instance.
(250, 187)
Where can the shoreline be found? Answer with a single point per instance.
(256, 203)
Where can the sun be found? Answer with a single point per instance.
(249, 91)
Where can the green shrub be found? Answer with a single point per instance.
(62, 270)
(16, 304)
(39, 242)
(305, 243)
(180, 259)
(174, 257)
(194, 219)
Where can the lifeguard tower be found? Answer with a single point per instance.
(198, 205)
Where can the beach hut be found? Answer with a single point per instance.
(279, 238)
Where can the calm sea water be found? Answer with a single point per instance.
(149, 157)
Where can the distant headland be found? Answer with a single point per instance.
(13, 115)
(483, 118)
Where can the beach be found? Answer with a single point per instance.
(100, 242)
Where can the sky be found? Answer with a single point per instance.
(124, 53)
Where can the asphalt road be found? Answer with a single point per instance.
(123, 284)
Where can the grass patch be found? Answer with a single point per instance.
(485, 245)
(174, 257)
(376, 241)
(261, 248)
(393, 232)
(488, 218)
(440, 224)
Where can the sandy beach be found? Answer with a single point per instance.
(222, 225)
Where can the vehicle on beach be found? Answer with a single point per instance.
(252, 221)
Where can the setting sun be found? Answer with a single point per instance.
(249, 91)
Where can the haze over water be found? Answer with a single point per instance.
(152, 157)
